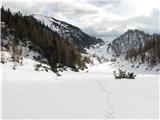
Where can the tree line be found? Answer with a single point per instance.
(46, 42)
(150, 53)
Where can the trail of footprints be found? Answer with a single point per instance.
(109, 109)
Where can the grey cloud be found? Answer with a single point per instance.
(93, 16)
(149, 24)
(25, 8)
(101, 3)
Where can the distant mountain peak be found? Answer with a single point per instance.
(130, 39)
(136, 45)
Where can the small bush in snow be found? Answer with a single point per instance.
(131, 75)
(45, 68)
(58, 74)
(122, 74)
(37, 66)
(113, 59)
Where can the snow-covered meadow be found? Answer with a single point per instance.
(93, 93)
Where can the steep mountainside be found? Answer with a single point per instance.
(130, 39)
(136, 45)
(19, 30)
(72, 34)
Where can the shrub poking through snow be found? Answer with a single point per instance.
(131, 75)
(37, 66)
(122, 74)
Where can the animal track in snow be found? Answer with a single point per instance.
(109, 109)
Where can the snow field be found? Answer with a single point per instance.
(89, 94)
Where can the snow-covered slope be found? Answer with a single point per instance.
(69, 32)
(131, 51)
(100, 54)
(100, 50)
(93, 93)
(48, 21)
(136, 67)
(130, 39)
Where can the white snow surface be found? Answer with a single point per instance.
(101, 52)
(48, 21)
(54, 24)
(92, 93)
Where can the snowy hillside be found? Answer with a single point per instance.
(137, 47)
(45, 76)
(19, 29)
(102, 54)
(128, 40)
(100, 50)
(93, 93)
(48, 21)
(69, 32)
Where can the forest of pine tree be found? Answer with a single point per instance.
(46, 42)
(150, 53)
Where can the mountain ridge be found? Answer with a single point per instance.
(69, 32)
(136, 45)
(17, 30)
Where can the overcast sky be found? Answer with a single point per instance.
(101, 18)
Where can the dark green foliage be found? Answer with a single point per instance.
(122, 74)
(150, 53)
(137, 46)
(45, 41)
(43, 68)
(37, 67)
(131, 75)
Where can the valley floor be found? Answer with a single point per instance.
(92, 94)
